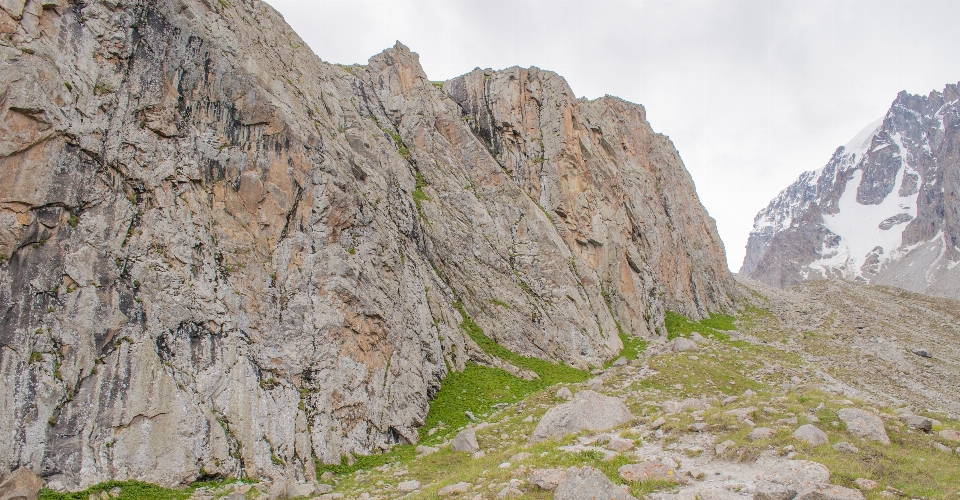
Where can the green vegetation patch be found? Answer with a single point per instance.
(679, 326)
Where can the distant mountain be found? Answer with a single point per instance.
(884, 210)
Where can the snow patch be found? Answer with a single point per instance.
(861, 142)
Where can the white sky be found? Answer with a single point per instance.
(752, 92)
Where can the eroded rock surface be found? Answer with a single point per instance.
(222, 254)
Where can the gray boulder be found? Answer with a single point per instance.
(587, 411)
(466, 441)
(811, 434)
(564, 394)
(547, 479)
(864, 424)
(681, 344)
(589, 483)
(830, 492)
(917, 422)
(23, 484)
(785, 481)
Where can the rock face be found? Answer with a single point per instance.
(587, 411)
(222, 254)
(884, 210)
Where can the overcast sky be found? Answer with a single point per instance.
(753, 92)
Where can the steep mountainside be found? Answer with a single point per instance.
(222, 255)
(884, 210)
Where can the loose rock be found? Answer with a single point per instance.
(619, 444)
(564, 394)
(408, 486)
(646, 471)
(811, 434)
(761, 433)
(466, 441)
(682, 344)
(917, 422)
(864, 424)
(846, 447)
(830, 492)
(785, 481)
(866, 484)
(587, 411)
(547, 479)
(23, 484)
(589, 483)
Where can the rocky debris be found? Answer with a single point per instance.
(864, 424)
(588, 483)
(761, 433)
(564, 394)
(742, 414)
(587, 411)
(455, 489)
(811, 434)
(466, 441)
(866, 484)
(917, 422)
(509, 492)
(647, 471)
(547, 479)
(682, 344)
(23, 484)
(656, 424)
(830, 492)
(408, 486)
(722, 448)
(785, 481)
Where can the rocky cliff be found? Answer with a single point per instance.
(884, 210)
(223, 256)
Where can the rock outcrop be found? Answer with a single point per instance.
(223, 256)
(885, 209)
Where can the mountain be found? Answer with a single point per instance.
(222, 256)
(885, 209)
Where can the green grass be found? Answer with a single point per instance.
(418, 195)
(679, 326)
(478, 388)
(129, 490)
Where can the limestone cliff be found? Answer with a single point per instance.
(224, 256)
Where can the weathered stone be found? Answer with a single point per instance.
(454, 489)
(547, 479)
(761, 433)
(619, 444)
(811, 434)
(950, 435)
(564, 394)
(588, 483)
(23, 484)
(917, 422)
(784, 481)
(587, 411)
(846, 447)
(722, 448)
(646, 471)
(682, 344)
(509, 492)
(830, 492)
(864, 424)
(408, 486)
(866, 484)
(466, 441)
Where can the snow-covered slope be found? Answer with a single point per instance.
(883, 210)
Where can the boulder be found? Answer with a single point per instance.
(455, 489)
(724, 446)
(950, 435)
(864, 424)
(547, 479)
(917, 422)
(588, 483)
(830, 492)
(23, 484)
(587, 411)
(761, 433)
(466, 441)
(646, 471)
(297, 490)
(621, 361)
(509, 492)
(682, 344)
(846, 447)
(564, 394)
(811, 434)
(866, 484)
(408, 486)
(619, 444)
(786, 480)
